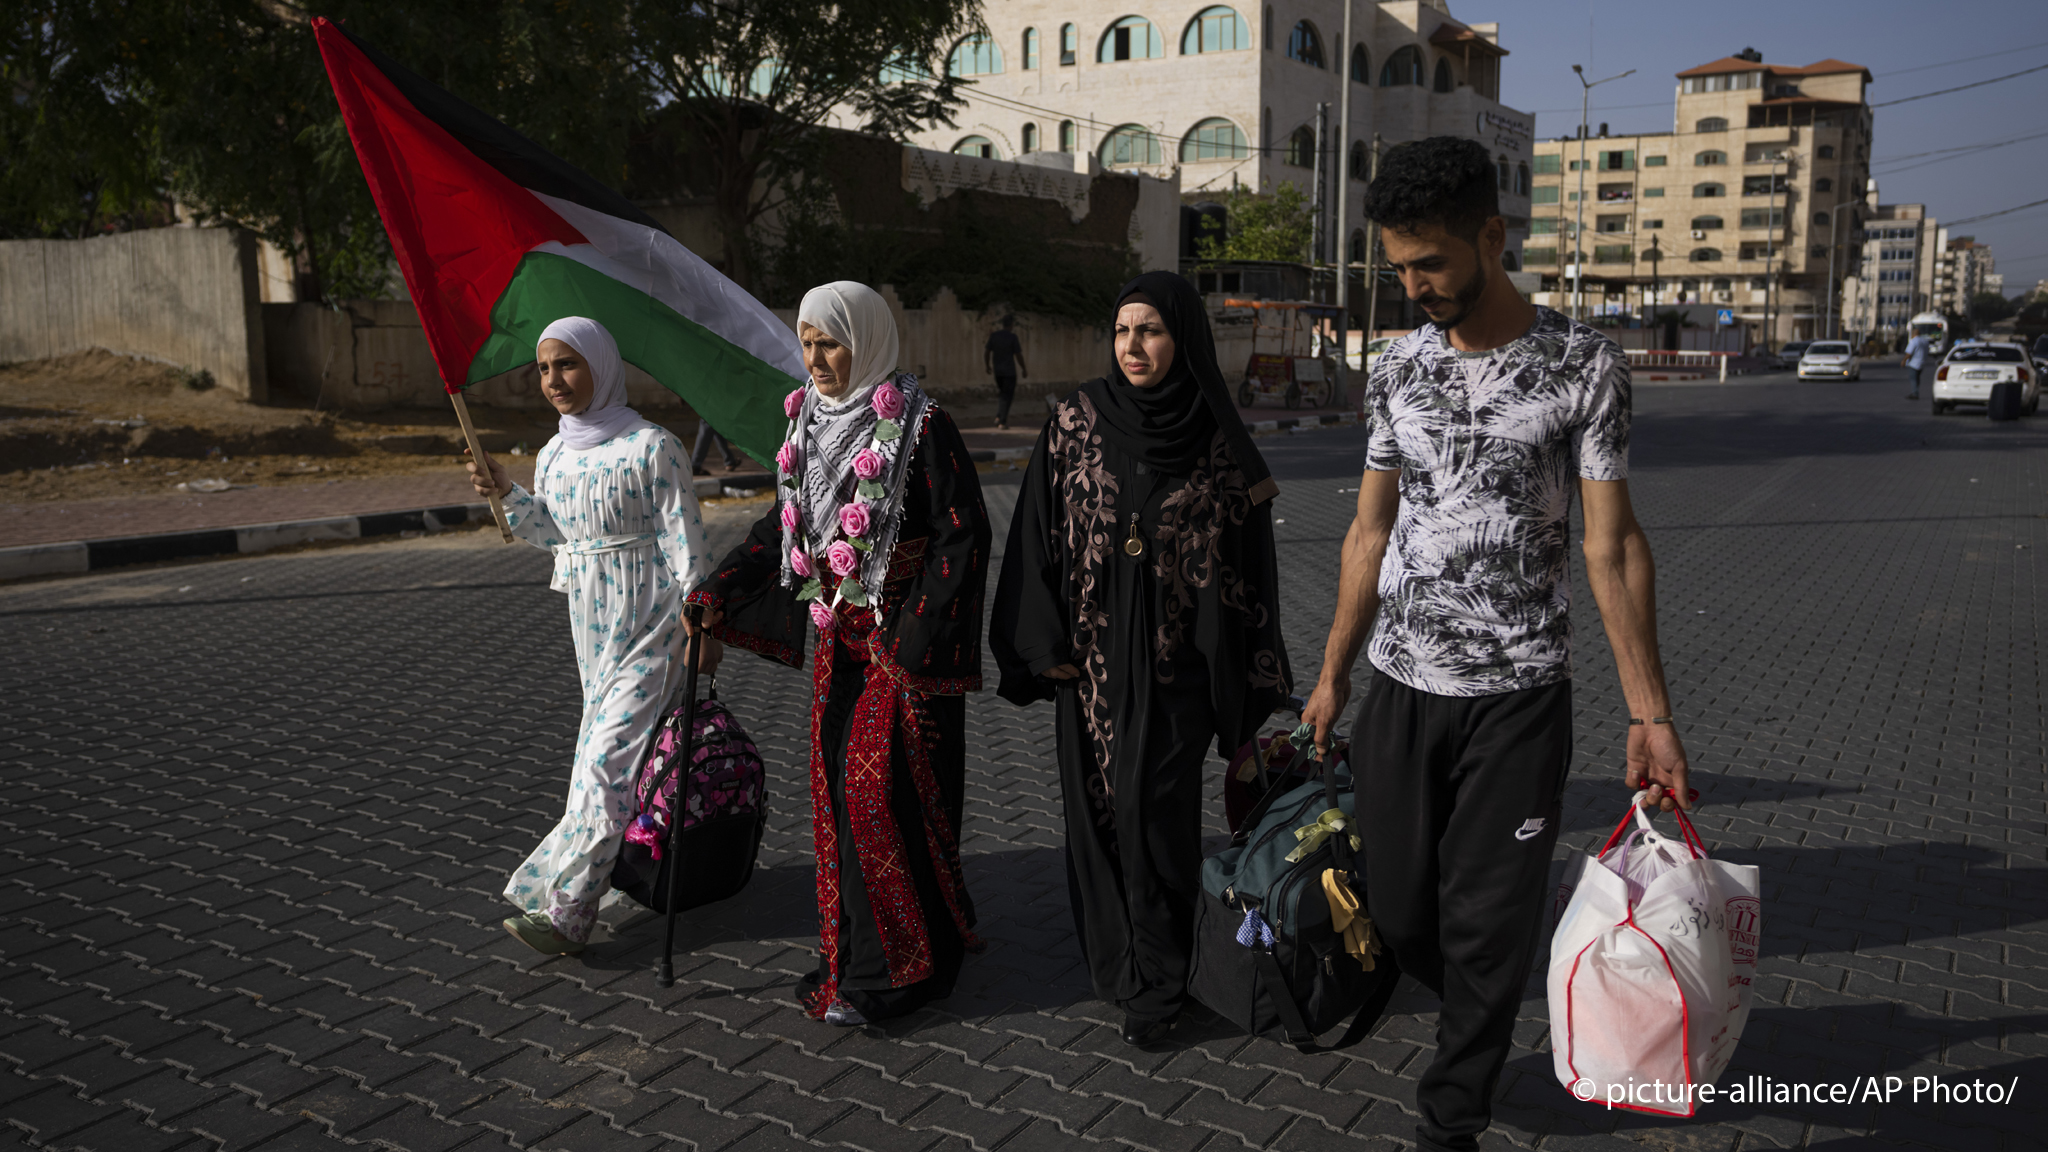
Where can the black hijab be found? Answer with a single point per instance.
(1172, 424)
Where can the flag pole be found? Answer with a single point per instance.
(476, 453)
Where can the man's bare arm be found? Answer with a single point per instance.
(1623, 576)
(1358, 600)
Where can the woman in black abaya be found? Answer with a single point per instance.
(1139, 595)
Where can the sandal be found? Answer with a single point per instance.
(537, 932)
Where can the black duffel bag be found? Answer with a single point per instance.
(1267, 955)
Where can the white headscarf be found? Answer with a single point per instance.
(607, 416)
(855, 315)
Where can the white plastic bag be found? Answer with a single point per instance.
(1651, 967)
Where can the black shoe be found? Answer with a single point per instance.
(1142, 1033)
(699, 470)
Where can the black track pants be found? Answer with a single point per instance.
(1459, 801)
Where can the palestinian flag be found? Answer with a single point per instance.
(497, 238)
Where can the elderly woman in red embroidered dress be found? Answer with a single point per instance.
(880, 543)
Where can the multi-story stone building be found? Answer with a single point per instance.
(1227, 95)
(1972, 269)
(1904, 270)
(1748, 203)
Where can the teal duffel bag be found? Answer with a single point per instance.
(1267, 953)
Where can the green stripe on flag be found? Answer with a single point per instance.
(737, 391)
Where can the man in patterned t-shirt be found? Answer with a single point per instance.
(1483, 421)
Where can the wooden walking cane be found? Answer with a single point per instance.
(476, 453)
(664, 971)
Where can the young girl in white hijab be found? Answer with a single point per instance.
(613, 500)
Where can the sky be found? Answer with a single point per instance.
(1910, 48)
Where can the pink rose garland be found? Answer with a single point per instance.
(790, 516)
(887, 400)
(793, 403)
(800, 563)
(854, 519)
(843, 558)
(821, 615)
(868, 464)
(787, 457)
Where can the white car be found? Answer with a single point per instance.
(1830, 358)
(1971, 368)
(1362, 361)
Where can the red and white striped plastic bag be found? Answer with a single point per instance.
(1651, 966)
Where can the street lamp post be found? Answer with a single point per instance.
(1653, 254)
(1834, 226)
(1771, 294)
(1579, 231)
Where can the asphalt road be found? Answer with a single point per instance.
(254, 817)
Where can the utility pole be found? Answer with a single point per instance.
(1579, 230)
(1834, 226)
(1771, 250)
(1372, 263)
(1319, 231)
(1343, 388)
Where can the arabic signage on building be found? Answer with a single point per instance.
(1505, 130)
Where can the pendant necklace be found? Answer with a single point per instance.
(1133, 546)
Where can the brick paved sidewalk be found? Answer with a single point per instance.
(46, 523)
(256, 817)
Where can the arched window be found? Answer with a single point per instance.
(1361, 65)
(1825, 152)
(1030, 138)
(1403, 67)
(1504, 176)
(1705, 223)
(1443, 76)
(1358, 246)
(1711, 124)
(1130, 146)
(1701, 191)
(1030, 49)
(1710, 156)
(1070, 43)
(1705, 255)
(1360, 169)
(1522, 179)
(980, 146)
(1214, 139)
(975, 56)
(1301, 147)
(1069, 138)
(1509, 262)
(1823, 185)
(1131, 38)
(1305, 44)
(1218, 29)
(1266, 28)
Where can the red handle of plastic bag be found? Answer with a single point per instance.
(1688, 834)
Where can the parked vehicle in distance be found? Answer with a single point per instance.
(1830, 358)
(2041, 349)
(1371, 353)
(1972, 367)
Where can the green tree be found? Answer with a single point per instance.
(1990, 307)
(751, 79)
(77, 153)
(1276, 225)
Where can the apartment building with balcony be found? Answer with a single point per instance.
(1226, 95)
(1750, 203)
(1905, 270)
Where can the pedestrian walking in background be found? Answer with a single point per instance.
(1139, 593)
(1003, 357)
(612, 499)
(1915, 361)
(1456, 569)
(707, 436)
(881, 531)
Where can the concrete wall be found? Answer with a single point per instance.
(372, 354)
(185, 296)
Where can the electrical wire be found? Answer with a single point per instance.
(1964, 60)
(1958, 148)
(2000, 212)
(1962, 87)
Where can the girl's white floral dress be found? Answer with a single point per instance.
(628, 538)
